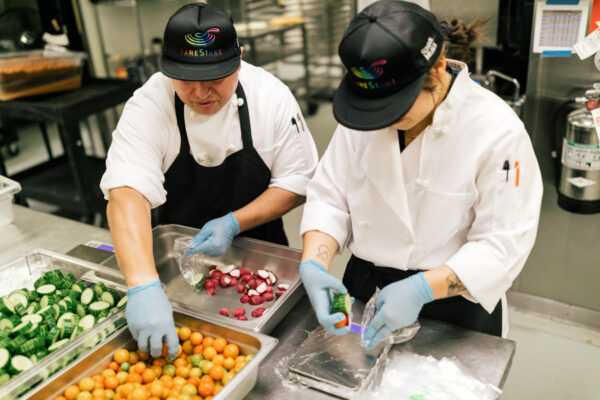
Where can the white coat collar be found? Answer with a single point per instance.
(447, 110)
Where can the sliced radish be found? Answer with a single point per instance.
(262, 274)
(269, 289)
(233, 282)
(212, 267)
(238, 312)
(256, 300)
(210, 283)
(252, 284)
(258, 312)
(253, 292)
(242, 318)
(261, 288)
(245, 299)
(211, 291)
(245, 271)
(268, 296)
(225, 279)
(235, 273)
(216, 274)
(272, 278)
(245, 278)
(226, 268)
(224, 311)
(277, 294)
(283, 286)
(241, 288)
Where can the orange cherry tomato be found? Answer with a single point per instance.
(231, 350)
(184, 333)
(209, 352)
(71, 392)
(149, 375)
(196, 338)
(208, 341)
(219, 344)
(121, 356)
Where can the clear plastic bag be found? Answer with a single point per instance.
(193, 267)
(409, 376)
(398, 336)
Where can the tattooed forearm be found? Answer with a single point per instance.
(455, 286)
(324, 253)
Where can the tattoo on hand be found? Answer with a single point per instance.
(324, 253)
(455, 286)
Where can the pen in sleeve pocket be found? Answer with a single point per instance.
(506, 167)
(295, 124)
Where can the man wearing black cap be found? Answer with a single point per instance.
(210, 142)
(430, 180)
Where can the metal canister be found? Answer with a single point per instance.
(579, 185)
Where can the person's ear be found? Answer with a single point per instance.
(440, 65)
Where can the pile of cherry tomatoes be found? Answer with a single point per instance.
(204, 365)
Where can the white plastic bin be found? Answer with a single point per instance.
(8, 188)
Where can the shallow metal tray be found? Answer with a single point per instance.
(250, 253)
(97, 359)
(23, 272)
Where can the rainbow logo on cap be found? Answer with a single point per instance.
(202, 38)
(373, 71)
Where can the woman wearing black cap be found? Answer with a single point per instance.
(430, 180)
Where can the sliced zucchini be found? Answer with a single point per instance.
(4, 341)
(16, 343)
(57, 345)
(39, 282)
(78, 287)
(87, 296)
(100, 288)
(21, 328)
(99, 307)
(52, 336)
(34, 318)
(81, 310)
(6, 306)
(6, 324)
(19, 364)
(33, 307)
(87, 322)
(4, 358)
(78, 330)
(4, 377)
(108, 297)
(46, 289)
(46, 312)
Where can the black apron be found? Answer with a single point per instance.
(197, 194)
(362, 277)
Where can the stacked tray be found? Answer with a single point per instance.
(96, 360)
(249, 253)
(49, 272)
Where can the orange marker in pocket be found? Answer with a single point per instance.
(517, 174)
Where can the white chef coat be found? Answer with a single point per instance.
(147, 141)
(444, 200)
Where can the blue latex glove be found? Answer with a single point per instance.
(398, 305)
(215, 236)
(319, 285)
(150, 319)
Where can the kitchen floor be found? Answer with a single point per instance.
(553, 359)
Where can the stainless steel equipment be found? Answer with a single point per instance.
(579, 185)
(23, 272)
(250, 253)
(516, 101)
(96, 360)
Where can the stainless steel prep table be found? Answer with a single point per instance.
(486, 357)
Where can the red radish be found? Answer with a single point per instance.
(245, 278)
(226, 268)
(277, 294)
(211, 291)
(212, 267)
(245, 299)
(235, 273)
(216, 274)
(259, 281)
(210, 283)
(253, 292)
(256, 300)
(239, 312)
(268, 296)
(261, 288)
(252, 284)
(225, 279)
(224, 311)
(269, 289)
(262, 274)
(283, 287)
(241, 288)
(258, 312)
(272, 278)
(245, 271)
(233, 282)
(242, 318)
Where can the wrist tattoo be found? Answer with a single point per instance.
(324, 253)
(455, 286)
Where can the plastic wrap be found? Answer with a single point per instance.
(191, 266)
(409, 376)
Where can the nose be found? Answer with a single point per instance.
(202, 89)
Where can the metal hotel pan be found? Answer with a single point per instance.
(96, 360)
(244, 252)
(23, 272)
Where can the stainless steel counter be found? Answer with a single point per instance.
(486, 357)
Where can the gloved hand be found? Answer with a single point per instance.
(215, 236)
(319, 285)
(398, 305)
(150, 318)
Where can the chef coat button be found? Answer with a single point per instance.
(363, 224)
(240, 102)
(422, 182)
(201, 157)
(232, 147)
(437, 130)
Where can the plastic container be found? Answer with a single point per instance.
(8, 188)
(36, 72)
(23, 272)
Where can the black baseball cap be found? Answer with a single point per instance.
(200, 44)
(387, 49)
